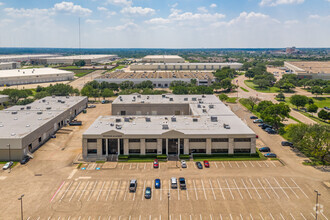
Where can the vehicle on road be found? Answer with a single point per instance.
(105, 101)
(53, 136)
(91, 106)
(183, 164)
(147, 193)
(75, 123)
(206, 164)
(264, 149)
(157, 184)
(25, 160)
(132, 186)
(258, 121)
(182, 182)
(8, 165)
(156, 163)
(253, 117)
(199, 165)
(270, 155)
(287, 143)
(174, 183)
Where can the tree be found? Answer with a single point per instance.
(226, 84)
(223, 97)
(249, 74)
(310, 101)
(145, 84)
(312, 108)
(224, 73)
(107, 93)
(263, 105)
(80, 63)
(280, 96)
(193, 82)
(180, 90)
(87, 91)
(323, 115)
(317, 90)
(40, 95)
(252, 102)
(126, 85)
(95, 93)
(15, 95)
(275, 114)
(298, 100)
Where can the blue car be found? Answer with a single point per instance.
(157, 184)
(270, 155)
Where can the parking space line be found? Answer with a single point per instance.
(237, 164)
(123, 166)
(259, 164)
(83, 191)
(282, 216)
(231, 217)
(200, 216)
(178, 193)
(324, 215)
(281, 188)
(74, 192)
(290, 188)
(101, 190)
(238, 188)
(126, 192)
(160, 217)
(211, 217)
(66, 191)
(195, 190)
(302, 216)
(262, 218)
(266, 164)
(251, 216)
(117, 190)
(215, 198)
(130, 166)
(28, 218)
(187, 194)
(92, 191)
(244, 164)
(144, 166)
(152, 189)
(271, 216)
(246, 189)
(223, 164)
(220, 217)
(313, 215)
(59, 189)
(216, 164)
(78, 218)
(230, 164)
(70, 217)
(263, 188)
(221, 189)
(109, 190)
(292, 216)
(229, 189)
(272, 188)
(144, 184)
(299, 187)
(255, 188)
(273, 163)
(241, 216)
(251, 164)
(204, 189)
(38, 218)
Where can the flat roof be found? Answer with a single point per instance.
(31, 72)
(162, 57)
(25, 121)
(17, 56)
(208, 117)
(186, 64)
(312, 66)
(83, 57)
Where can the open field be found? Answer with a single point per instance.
(251, 85)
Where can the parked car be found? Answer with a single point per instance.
(157, 184)
(271, 131)
(270, 155)
(53, 136)
(253, 117)
(326, 108)
(182, 182)
(183, 164)
(156, 164)
(258, 121)
(92, 106)
(264, 126)
(199, 165)
(147, 193)
(8, 165)
(25, 160)
(287, 143)
(264, 149)
(132, 185)
(174, 183)
(105, 101)
(206, 164)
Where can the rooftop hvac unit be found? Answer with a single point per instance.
(193, 99)
(142, 101)
(62, 102)
(14, 113)
(118, 127)
(163, 96)
(118, 120)
(112, 124)
(28, 107)
(214, 118)
(173, 119)
(39, 113)
(139, 96)
(148, 119)
(185, 99)
(165, 127)
(195, 120)
(226, 126)
(211, 106)
(44, 100)
(126, 119)
(48, 108)
(22, 108)
(199, 106)
(67, 96)
(148, 97)
(171, 99)
(59, 100)
(53, 96)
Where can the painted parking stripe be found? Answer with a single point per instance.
(282, 216)
(215, 163)
(302, 216)
(144, 184)
(101, 190)
(74, 192)
(215, 198)
(204, 190)
(299, 187)
(109, 191)
(241, 216)
(237, 164)
(178, 193)
(271, 216)
(126, 192)
(244, 164)
(292, 216)
(324, 215)
(195, 190)
(259, 164)
(246, 188)
(231, 217)
(251, 164)
(230, 165)
(266, 164)
(273, 163)
(66, 191)
(90, 195)
(290, 188)
(238, 188)
(313, 215)
(83, 191)
(223, 164)
(262, 218)
(229, 189)
(187, 194)
(272, 188)
(251, 216)
(281, 188)
(223, 196)
(255, 189)
(263, 188)
(118, 190)
(220, 217)
(57, 191)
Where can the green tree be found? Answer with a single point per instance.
(323, 115)
(299, 100)
(263, 105)
(275, 114)
(252, 102)
(223, 97)
(280, 96)
(80, 63)
(95, 93)
(249, 74)
(15, 95)
(40, 95)
(107, 93)
(226, 84)
(312, 108)
(193, 82)
(126, 85)
(317, 90)
(145, 84)
(87, 91)
(180, 90)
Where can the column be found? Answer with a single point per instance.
(253, 145)
(126, 152)
(186, 146)
(179, 146)
(166, 146)
(118, 146)
(208, 146)
(84, 150)
(106, 147)
(143, 146)
(99, 147)
(159, 146)
(231, 146)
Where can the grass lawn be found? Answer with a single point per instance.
(321, 102)
(251, 85)
(314, 118)
(116, 68)
(69, 67)
(228, 158)
(231, 100)
(81, 73)
(245, 90)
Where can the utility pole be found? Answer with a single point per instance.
(168, 206)
(317, 203)
(21, 198)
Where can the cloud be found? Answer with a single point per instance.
(137, 11)
(174, 5)
(119, 2)
(102, 9)
(279, 2)
(177, 16)
(22, 12)
(291, 22)
(127, 26)
(1, 3)
(213, 5)
(5, 22)
(92, 21)
(202, 9)
(318, 17)
(158, 21)
(71, 8)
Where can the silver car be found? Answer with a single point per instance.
(183, 164)
(7, 165)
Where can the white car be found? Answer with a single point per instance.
(183, 164)
(7, 165)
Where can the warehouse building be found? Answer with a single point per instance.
(10, 65)
(309, 70)
(23, 57)
(183, 66)
(167, 124)
(30, 76)
(25, 128)
(162, 59)
(69, 60)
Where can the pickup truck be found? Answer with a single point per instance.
(182, 182)
(132, 185)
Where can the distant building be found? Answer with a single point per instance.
(309, 70)
(10, 65)
(24, 57)
(162, 59)
(31, 76)
(69, 60)
(290, 50)
(3, 98)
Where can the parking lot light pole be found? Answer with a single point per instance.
(21, 198)
(317, 202)
(168, 206)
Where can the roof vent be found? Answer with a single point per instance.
(199, 106)
(67, 96)
(22, 108)
(14, 113)
(139, 96)
(44, 100)
(27, 125)
(211, 106)
(165, 127)
(126, 119)
(118, 120)
(112, 124)
(185, 99)
(1, 125)
(142, 101)
(28, 107)
(163, 96)
(53, 96)
(195, 119)
(203, 96)
(118, 127)
(39, 113)
(13, 134)
(226, 126)
(171, 99)
(148, 119)
(214, 118)
(148, 97)
(48, 108)
(193, 99)
(62, 101)
(173, 119)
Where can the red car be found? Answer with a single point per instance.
(156, 164)
(206, 164)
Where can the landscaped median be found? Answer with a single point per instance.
(142, 158)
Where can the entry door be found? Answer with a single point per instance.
(112, 146)
(172, 146)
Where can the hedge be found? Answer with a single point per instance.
(184, 156)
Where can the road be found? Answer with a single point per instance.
(80, 82)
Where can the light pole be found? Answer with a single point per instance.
(21, 198)
(317, 202)
(168, 206)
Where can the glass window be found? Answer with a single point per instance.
(91, 151)
(219, 151)
(197, 140)
(242, 151)
(197, 151)
(242, 139)
(219, 139)
(151, 151)
(133, 140)
(151, 140)
(134, 151)
(91, 140)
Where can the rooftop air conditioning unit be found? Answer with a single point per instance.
(14, 113)
(195, 119)
(148, 119)
(165, 127)
(214, 118)
(118, 120)
(28, 107)
(39, 113)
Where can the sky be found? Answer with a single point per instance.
(165, 23)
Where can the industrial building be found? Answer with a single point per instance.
(159, 79)
(30, 76)
(3, 98)
(183, 66)
(167, 124)
(10, 65)
(69, 60)
(23, 57)
(162, 59)
(25, 128)
(309, 70)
